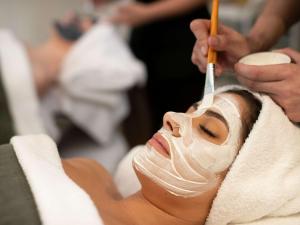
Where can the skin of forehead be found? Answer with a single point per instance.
(220, 97)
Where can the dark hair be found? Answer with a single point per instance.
(254, 106)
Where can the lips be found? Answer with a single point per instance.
(159, 143)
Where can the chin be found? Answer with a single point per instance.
(146, 182)
(152, 191)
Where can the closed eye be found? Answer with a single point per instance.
(207, 131)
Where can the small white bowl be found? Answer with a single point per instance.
(265, 58)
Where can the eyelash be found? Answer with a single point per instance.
(211, 134)
(195, 106)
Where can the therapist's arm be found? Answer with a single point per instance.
(275, 19)
(277, 16)
(280, 82)
(136, 14)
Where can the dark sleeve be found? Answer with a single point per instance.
(6, 122)
(17, 206)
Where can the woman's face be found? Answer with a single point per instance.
(187, 156)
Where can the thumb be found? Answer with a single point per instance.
(295, 56)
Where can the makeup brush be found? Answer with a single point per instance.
(212, 54)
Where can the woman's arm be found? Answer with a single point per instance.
(275, 19)
(136, 14)
(168, 8)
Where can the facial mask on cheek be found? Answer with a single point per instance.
(194, 162)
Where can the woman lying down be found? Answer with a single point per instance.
(234, 162)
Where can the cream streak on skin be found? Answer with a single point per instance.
(194, 163)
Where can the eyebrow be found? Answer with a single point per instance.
(217, 116)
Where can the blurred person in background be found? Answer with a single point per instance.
(27, 73)
(162, 40)
(77, 78)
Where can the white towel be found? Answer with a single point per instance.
(125, 177)
(263, 184)
(19, 86)
(59, 200)
(95, 77)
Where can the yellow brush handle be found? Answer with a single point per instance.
(212, 54)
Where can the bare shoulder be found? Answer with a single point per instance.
(77, 167)
(92, 177)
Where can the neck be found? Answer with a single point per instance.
(139, 210)
(152, 205)
(193, 210)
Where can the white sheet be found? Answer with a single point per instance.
(59, 200)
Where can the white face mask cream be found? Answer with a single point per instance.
(194, 161)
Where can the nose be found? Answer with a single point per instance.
(171, 125)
